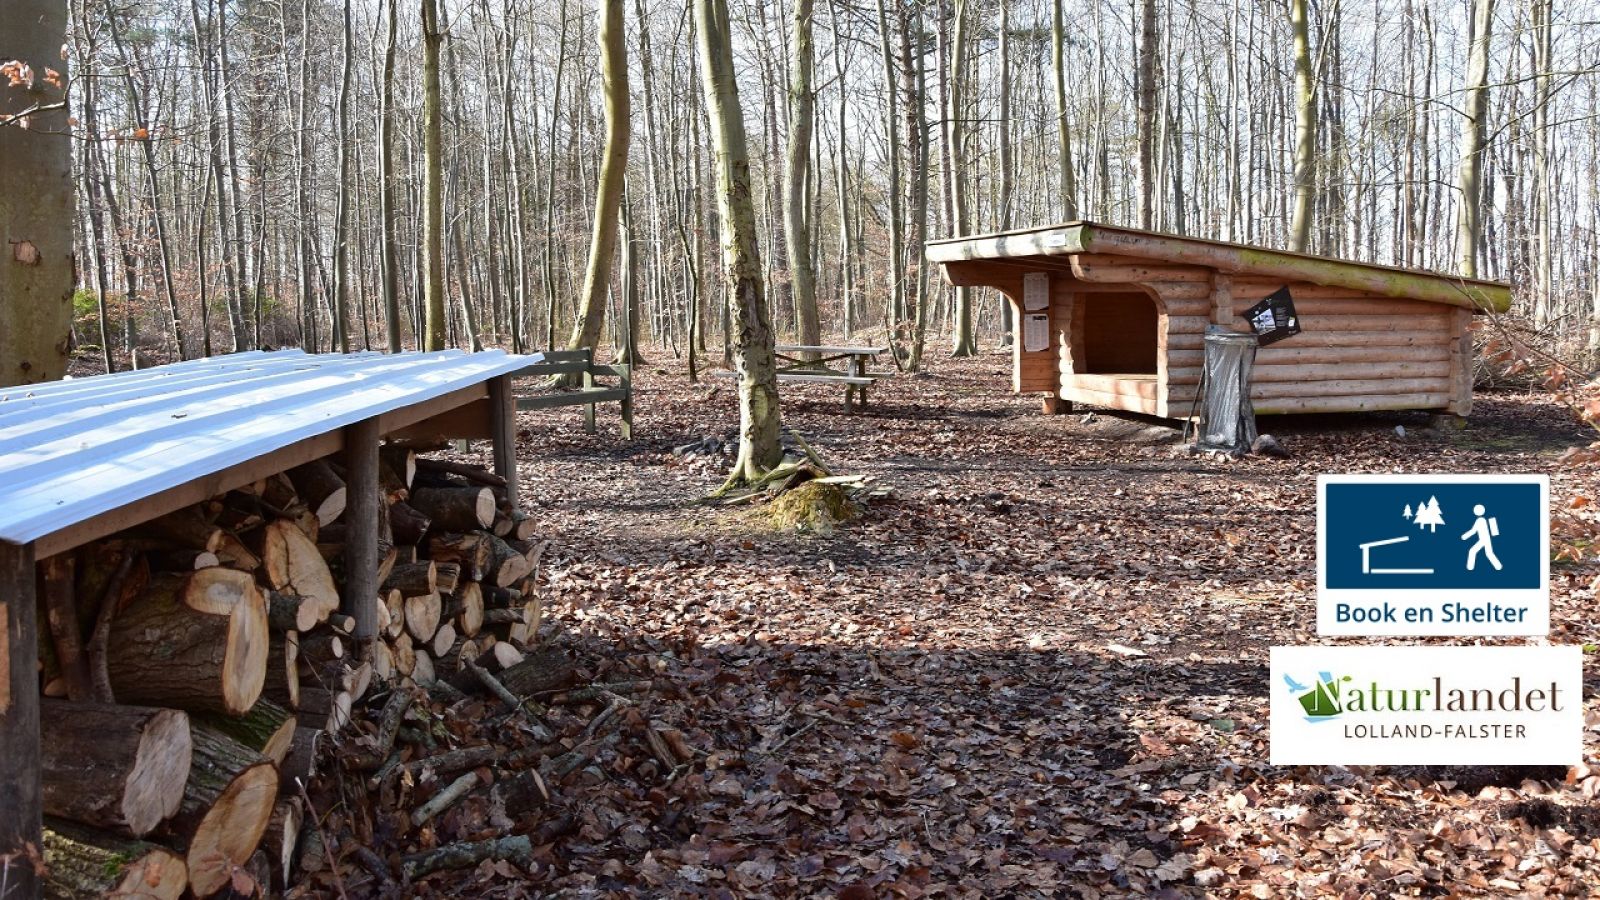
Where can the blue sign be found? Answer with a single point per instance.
(1433, 554)
(1409, 535)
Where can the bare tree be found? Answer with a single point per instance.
(613, 171)
(759, 418)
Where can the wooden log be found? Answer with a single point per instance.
(518, 849)
(198, 641)
(278, 492)
(396, 603)
(267, 728)
(405, 654)
(503, 655)
(283, 670)
(414, 580)
(320, 648)
(448, 576)
(469, 551)
(283, 831)
(286, 612)
(320, 488)
(401, 463)
(359, 680)
(227, 804)
(466, 608)
(541, 672)
(59, 607)
(1356, 403)
(433, 467)
(117, 768)
(382, 660)
(235, 555)
(443, 639)
(293, 564)
(299, 767)
(526, 630)
(449, 662)
(81, 862)
(422, 669)
(506, 565)
(408, 526)
(422, 616)
(523, 526)
(496, 597)
(456, 508)
(187, 527)
(323, 708)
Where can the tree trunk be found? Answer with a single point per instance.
(433, 182)
(1469, 227)
(759, 420)
(613, 170)
(388, 199)
(1305, 145)
(1068, 201)
(797, 165)
(36, 202)
(1147, 112)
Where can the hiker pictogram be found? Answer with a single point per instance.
(1486, 530)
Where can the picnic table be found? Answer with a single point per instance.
(819, 364)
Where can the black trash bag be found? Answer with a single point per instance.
(1227, 420)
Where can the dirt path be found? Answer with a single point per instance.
(1038, 671)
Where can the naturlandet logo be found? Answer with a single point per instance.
(1330, 697)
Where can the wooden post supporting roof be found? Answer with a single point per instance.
(361, 551)
(21, 798)
(503, 428)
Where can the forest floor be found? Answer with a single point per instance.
(1039, 669)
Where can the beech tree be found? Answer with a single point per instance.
(759, 420)
(36, 199)
(613, 172)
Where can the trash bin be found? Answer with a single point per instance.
(1227, 420)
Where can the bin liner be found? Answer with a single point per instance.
(1227, 420)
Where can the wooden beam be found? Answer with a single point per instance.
(190, 493)
(363, 495)
(503, 432)
(21, 800)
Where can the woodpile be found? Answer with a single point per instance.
(197, 666)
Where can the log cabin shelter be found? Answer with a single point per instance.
(1116, 317)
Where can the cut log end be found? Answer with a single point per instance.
(160, 768)
(232, 829)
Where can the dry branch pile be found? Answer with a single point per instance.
(197, 666)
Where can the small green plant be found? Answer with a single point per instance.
(84, 303)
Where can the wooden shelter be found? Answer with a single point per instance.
(1115, 317)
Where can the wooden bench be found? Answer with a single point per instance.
(580, 362)
(808, 363)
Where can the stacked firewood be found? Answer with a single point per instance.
(196, 666)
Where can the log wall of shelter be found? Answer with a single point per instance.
(1360, 351)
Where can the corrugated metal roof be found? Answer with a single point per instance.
(71, 450)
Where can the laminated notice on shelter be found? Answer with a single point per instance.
(1035, 291)
(1035, 333)
(1274, 318)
